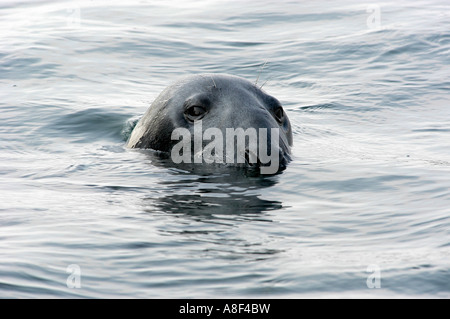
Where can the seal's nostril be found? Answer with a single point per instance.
(251, 159)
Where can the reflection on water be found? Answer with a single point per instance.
(368, 184)
(206, 191)
(213, 206)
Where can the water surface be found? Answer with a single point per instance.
(366, 87)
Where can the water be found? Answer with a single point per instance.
(362, 211)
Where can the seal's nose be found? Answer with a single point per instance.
(254, 161)
(251, 159)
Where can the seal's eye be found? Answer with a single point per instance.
(279, 114)
(194, 113)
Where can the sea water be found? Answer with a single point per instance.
(361, 211)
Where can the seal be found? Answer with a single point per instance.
(199, 107)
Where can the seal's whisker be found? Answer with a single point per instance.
(265, 82)
(260, 70)
(213, 82)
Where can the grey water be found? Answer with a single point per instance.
(363, 210)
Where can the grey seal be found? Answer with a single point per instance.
(198, 104)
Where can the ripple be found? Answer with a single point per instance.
(368, 183)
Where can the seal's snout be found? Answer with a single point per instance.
(281, 159)
(251, 159)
